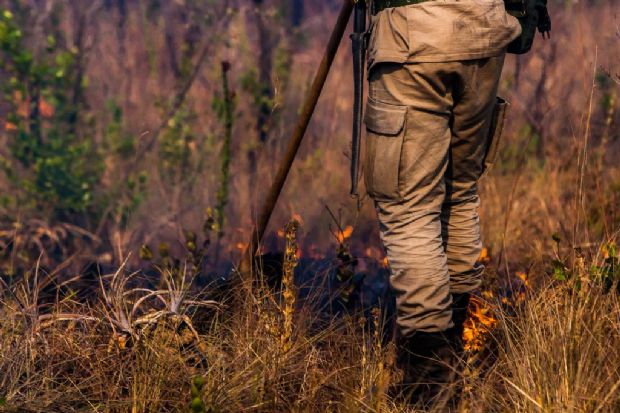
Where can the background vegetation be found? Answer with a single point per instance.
(138, 136)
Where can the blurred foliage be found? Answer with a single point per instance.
(604, 271)
(608, 272)
(133, 149)
(177, 144)
(49, 140)
(189, 262)
(251, 84)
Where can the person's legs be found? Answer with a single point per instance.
(408, 123)
(474, 102)
(427, 126)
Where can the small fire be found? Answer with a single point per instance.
(478, 325)
(523, 277)
(485, 257)
(344, 234)
(377, 255)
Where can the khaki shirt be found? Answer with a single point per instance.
(441, 31)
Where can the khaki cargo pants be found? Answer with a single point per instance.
(428, 128)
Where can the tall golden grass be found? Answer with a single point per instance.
(556, 348)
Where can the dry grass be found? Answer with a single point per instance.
(556, 350)
(252, 358)
(560, 352)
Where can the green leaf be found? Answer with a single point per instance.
(198, 405)
(559, 270)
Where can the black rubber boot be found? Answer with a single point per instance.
(427, 364)
(460, 304)
(431, 363)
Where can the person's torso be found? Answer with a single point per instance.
(441, 31)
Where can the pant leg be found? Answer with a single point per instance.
(474, 101)
(408, 123)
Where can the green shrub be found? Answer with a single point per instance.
(54, 164)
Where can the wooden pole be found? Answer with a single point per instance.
(258, 230)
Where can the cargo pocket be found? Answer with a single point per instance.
(495, 133)
(385, 126)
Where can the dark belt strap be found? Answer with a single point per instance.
(384, 4)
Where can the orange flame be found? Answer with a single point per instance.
(478, 325)
(487, 294)
(344, 234)
(485, 257)
(523, 277)
(373, 253)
